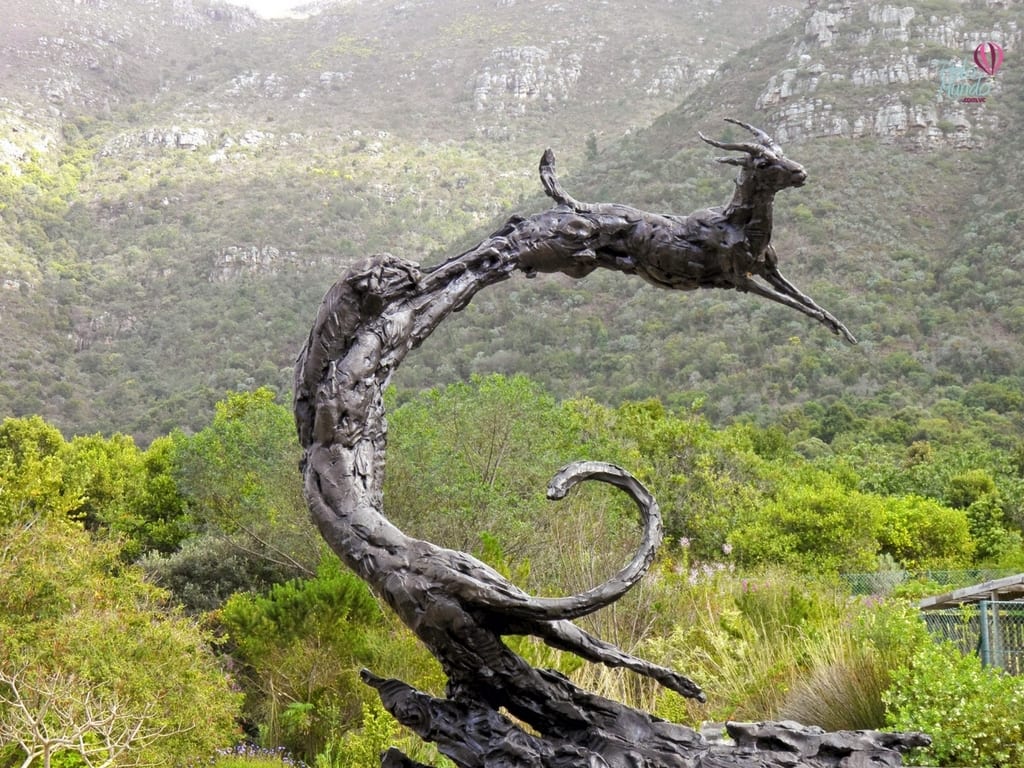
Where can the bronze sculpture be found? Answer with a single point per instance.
(460, 608)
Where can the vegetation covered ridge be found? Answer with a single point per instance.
(166, 228)
(270, 634)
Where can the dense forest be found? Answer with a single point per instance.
(187, 574)
(181, 181)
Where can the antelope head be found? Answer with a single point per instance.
(763, 159)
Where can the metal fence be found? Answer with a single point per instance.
(884, 582)
(994, 629)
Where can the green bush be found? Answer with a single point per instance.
(975, 715)
(302, 646)
(922, 533)
(209, 569)
(79, 630)
(363, 746)
(815, 523)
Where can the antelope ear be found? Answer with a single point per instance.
(742, 162)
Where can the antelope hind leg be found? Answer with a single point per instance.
(566, 636)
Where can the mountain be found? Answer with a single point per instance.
(182, 181)
(907, 229)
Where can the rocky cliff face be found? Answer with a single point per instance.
(654, 61)
(513, 78)
(90, 55)
(236, 260)
(866, 69)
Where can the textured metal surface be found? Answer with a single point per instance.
(461, 608)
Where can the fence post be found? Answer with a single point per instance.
(996, 638)
(984, 644)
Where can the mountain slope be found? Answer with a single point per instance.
(906, 230)
(172, 244)
(183, 180)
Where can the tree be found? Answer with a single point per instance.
(814, 522)
(107, 484)
(58, 714)
(126, 492)
(239, 481)
(922, 533)
(479, 455)
(992, 538)
(31, 473)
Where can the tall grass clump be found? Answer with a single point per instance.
(851, 665)
(779, 645)
(745, 640)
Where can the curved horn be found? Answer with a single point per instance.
(758, 150)
(760, 135)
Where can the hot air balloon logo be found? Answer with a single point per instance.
(961, 82)
(989, 58)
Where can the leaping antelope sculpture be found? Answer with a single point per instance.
(458, 606)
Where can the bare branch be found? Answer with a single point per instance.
(49, 712)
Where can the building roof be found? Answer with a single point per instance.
(1008, 588)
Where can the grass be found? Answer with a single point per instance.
(251, 756)
(843, 688)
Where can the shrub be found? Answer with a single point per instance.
(79, 631)
(921, 533)
(815, 524)
(362, 747)
(302, 645)
(975, 715)
(209, 569)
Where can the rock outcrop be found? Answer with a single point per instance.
(513, 77)
(873, 70)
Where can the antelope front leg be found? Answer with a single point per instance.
(779, 281)
(787, 294)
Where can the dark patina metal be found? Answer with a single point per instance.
(459, 607)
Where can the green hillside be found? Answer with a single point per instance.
(182, 181)
(905, 230)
